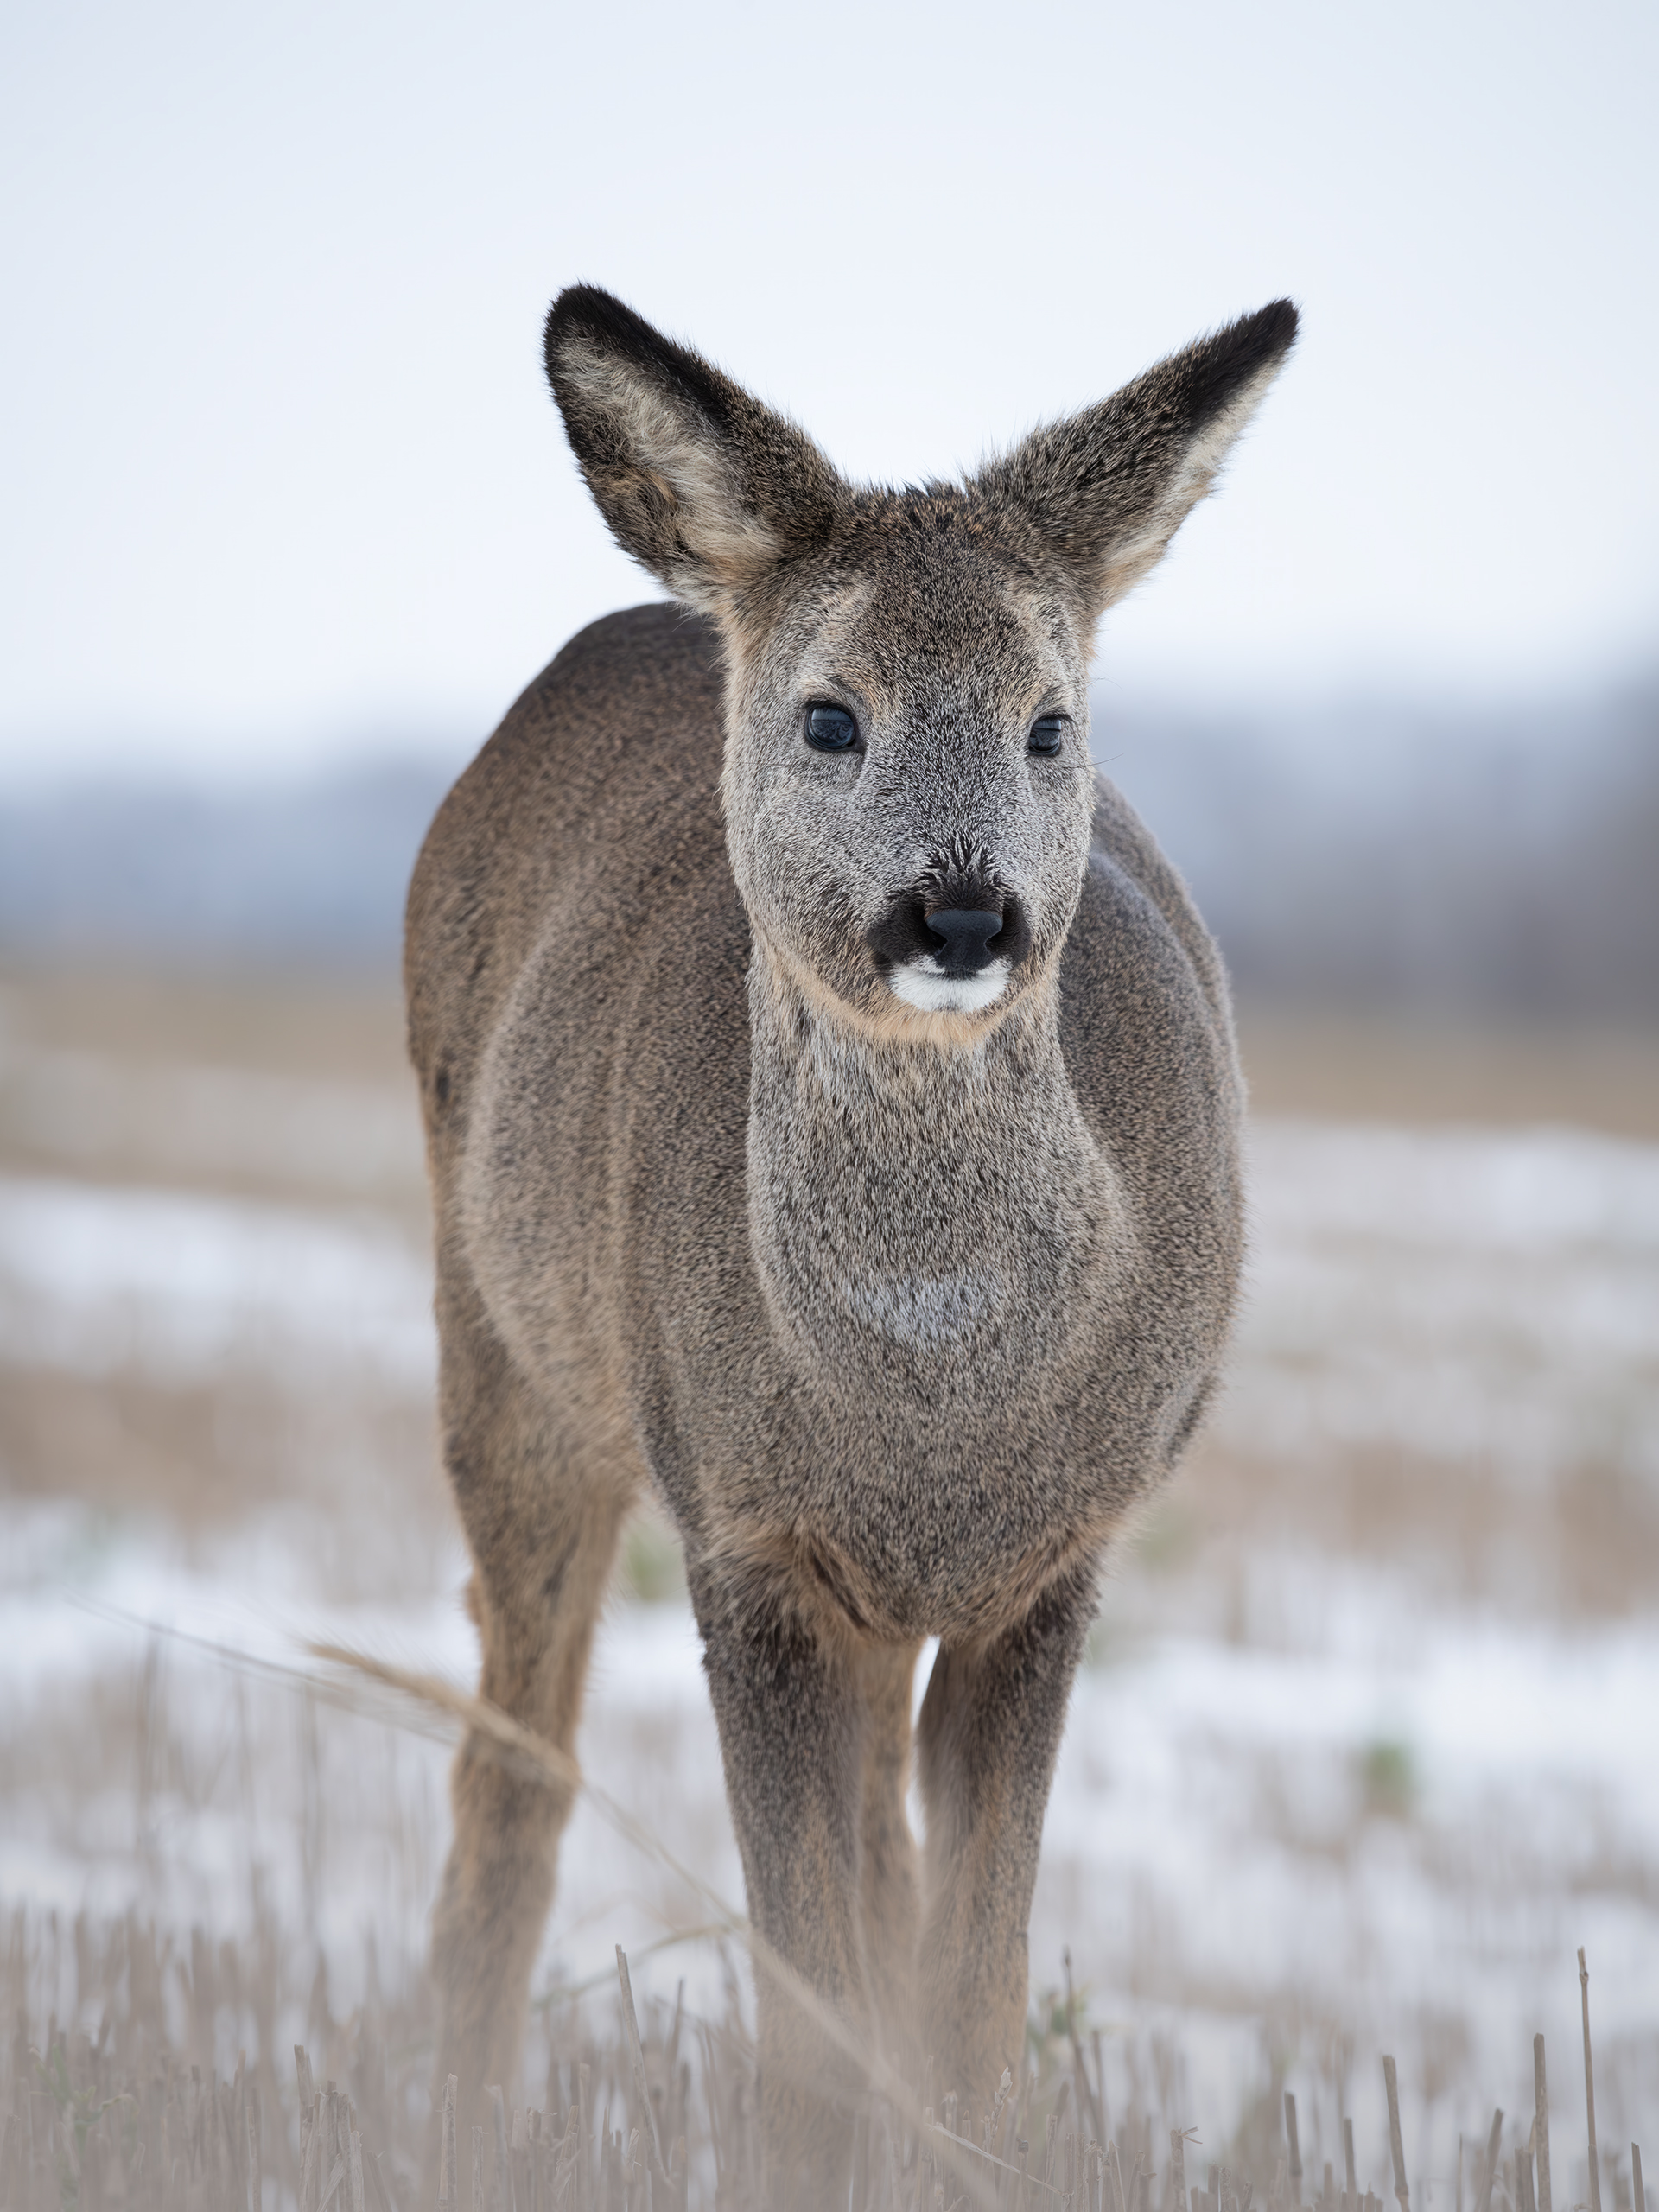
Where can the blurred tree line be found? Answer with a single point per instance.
(1371, 857)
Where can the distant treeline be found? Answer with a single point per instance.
(1368, 857)
(1381, 860)
(308, 874)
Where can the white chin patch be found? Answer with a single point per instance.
(923, 984)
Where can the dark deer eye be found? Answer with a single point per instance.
(1048, 734)
(829, 729)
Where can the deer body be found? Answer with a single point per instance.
(832, 1110)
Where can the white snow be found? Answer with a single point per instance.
(179, 1287)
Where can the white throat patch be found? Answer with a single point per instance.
(923, 984)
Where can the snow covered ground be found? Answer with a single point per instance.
(1365, 1746)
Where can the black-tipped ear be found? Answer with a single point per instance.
(698, 481)
(1109, 489)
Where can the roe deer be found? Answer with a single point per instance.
(832, 1110)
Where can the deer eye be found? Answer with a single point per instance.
(829, 729)
(1048, 734)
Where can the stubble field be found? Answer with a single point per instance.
(1363, 1752)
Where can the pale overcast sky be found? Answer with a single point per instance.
(282, 482)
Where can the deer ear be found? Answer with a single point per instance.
(1109, 489)
(702, 484)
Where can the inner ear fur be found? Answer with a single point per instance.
(703, 486)
(1107, 489)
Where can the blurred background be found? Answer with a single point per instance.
(1365, 1748)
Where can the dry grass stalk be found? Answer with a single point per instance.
(1494, 2152)
(1540, 2124)
(1589, 2086)
(637, 2058)
(1294, 2143)
(1396, 2147)
(1088, 2103)
(448, 2171)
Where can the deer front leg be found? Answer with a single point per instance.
(789, 1712)
(990, 1726)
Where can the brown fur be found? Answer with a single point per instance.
(902, 1303)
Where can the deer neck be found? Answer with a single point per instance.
(924, 1219)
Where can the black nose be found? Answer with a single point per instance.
(967, 933)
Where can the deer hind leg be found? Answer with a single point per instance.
(543, 1503)
(888, 1873)
(990, 1729)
